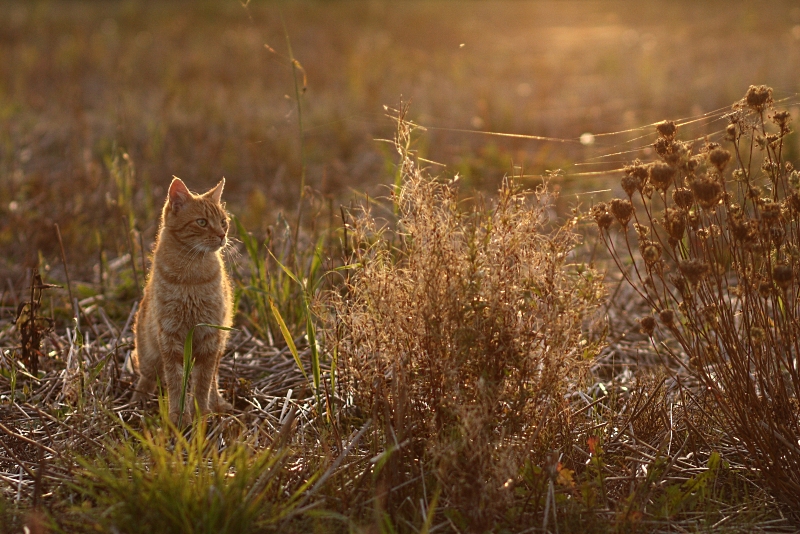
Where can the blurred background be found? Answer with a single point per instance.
(102, 102)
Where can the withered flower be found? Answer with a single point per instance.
(661, 175)
(601, 215)
(706, 190)
(719, 157)
(674, 223)
(683, 197)
(694, 162)
(730, 132)
(744, 230)
(643, 232)
(630, 184)
(693, 270)
(666, 129)
(754, 192)
(782, 274)
(662, 146)
(622, 209)
(651, 252)
(758, 97)
(782, 118)
(647, 324)
(667, 317)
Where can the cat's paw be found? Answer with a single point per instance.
(181, 422)
(220, 405)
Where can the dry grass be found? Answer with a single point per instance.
(459, 329)
(717, 233)
(459, 369)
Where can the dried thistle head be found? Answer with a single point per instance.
(622, 209)
(647, 325)
(661, 175)
(744, 230)
(684, 198)
(758, 97)
(698, 161)
(601, 215)
(675, 223)
(667, 129)
(719, 157)
(667, 317)
(678, 154)
(662, 146)
(730, 133)
(782, 119)
(707, 191)
(630, 184)
(693, 270)
(651, 252)
(642, 231)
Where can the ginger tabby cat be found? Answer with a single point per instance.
(188, 285)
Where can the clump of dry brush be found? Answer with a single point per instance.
(458, 333)
(717, 231)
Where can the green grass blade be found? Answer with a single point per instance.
(287, 336)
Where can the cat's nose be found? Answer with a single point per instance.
(221, 236)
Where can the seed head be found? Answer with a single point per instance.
(631, 184)
(758, 97)
(719, 157)
(662, 146)
(754, 192)
(675, 223)
(693, 270)
(643, 232)
(651, 252)
(646, 325)
(782, 274)
(601, 215)
(782, 119)
(661, 175)
(622, 209)
(707, 191)
(694, 163)
(730, 132)
(667, 317)
(666, 129)
(742, 229)
(683, 197)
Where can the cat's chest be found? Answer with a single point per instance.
(191, 305)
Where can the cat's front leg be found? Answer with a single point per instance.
(216, 402)
(172, 366)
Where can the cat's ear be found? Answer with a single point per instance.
(216, 193)
(178, 194)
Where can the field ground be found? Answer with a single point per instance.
(102, 102)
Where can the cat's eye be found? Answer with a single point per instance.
(202, 222)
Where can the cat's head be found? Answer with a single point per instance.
(196, 221)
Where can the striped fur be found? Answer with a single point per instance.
(188, 285)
